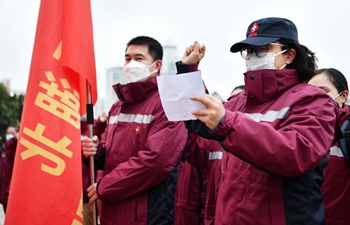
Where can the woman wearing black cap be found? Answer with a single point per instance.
(276, 134)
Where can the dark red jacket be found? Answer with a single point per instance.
(276, 136)
(2, 171)
(188, 195)
(206, 156)
(142, 151)
(10, 152)
(336, 185)
(213, 176)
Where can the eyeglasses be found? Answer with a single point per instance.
(260, 51)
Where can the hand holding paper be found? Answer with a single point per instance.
(175, 92)
(212, 114)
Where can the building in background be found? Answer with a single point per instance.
(114, 75)
(6, 83)
(170, 56)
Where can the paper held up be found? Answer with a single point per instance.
(175, 92)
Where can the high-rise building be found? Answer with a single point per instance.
(99, 108)
(170, 56)
(6, 83)
(114, 75)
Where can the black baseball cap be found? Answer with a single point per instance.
(267, 30)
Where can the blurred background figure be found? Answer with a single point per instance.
(237, 90)
(336, 185)
(7, 167)
(2, 164)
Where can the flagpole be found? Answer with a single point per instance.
(90, 122)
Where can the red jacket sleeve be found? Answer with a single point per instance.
(99, 127)
(298, 146)
(197, 152)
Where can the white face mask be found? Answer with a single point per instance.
(136, 71)
(9, 136)
(263, 63)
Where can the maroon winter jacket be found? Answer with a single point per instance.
(276, 136)
(206, 156)
(142, 152)
(188, 195)
(10, 152)
(2, 171)
(336, 185)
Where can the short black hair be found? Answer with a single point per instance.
(155, 49)
(242, 87)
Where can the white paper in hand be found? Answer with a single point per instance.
(175, 92)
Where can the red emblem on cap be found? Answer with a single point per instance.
(253, 30)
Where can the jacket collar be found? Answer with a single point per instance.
(344, 112)
(266, 85)
(136, 91)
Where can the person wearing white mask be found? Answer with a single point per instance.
(11, 132)
(275, 135)
(336, 185)
(142, 62)
(138, 71)
(140, 151)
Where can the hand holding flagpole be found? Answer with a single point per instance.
(90, 122)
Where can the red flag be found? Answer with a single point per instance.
(46, 186)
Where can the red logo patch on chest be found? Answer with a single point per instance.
(138, 128)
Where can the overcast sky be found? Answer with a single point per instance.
(323, 27)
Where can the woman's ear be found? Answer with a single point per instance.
(291, 53)
(344, 96)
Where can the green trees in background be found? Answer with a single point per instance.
(10, 109)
